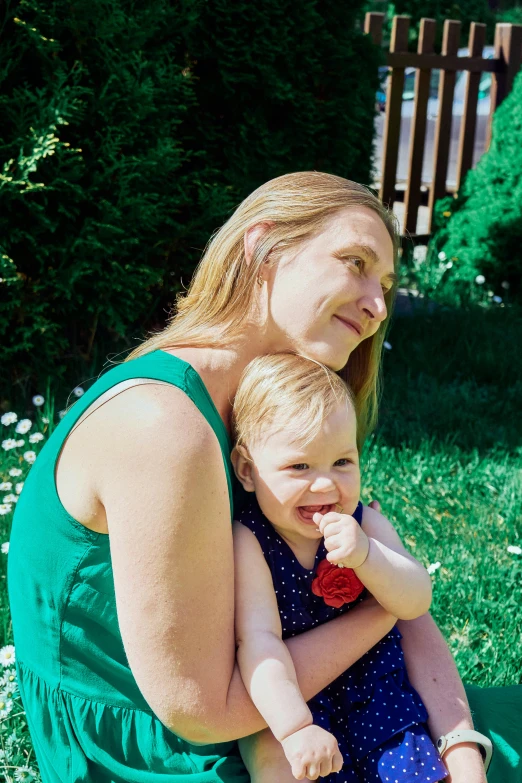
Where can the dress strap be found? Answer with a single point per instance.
(253, 518)
(358, 513)
(113, 392)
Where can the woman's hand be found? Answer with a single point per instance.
(464, 763)
(312, 753)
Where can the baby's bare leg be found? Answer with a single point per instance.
(265, 759)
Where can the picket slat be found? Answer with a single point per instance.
(418, 132)
(477, 37)
(373, 23)
(392, 120)
(450, 45)
(508, 50)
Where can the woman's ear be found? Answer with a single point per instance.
(243, 467)
(252, 237)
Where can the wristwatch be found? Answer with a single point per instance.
(447, 741)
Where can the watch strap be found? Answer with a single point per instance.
(459, 736)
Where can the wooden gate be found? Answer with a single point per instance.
(504, 67)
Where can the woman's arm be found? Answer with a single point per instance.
(157, 469)
(320, 656)
(433, 674)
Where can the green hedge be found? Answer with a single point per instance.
(479, 234)
(131, 131)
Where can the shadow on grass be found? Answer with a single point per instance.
(454, 377)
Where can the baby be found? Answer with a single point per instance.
(306, 551)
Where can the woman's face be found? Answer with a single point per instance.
(329, 296)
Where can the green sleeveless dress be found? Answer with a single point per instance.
(87, 718)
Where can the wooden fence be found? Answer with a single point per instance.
(504, 67)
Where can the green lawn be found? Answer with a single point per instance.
(445, 464)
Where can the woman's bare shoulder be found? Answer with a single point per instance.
(148, 418)
(154, 434)
(148, 405)
(132, 422)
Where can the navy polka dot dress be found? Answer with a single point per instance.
(372, 709)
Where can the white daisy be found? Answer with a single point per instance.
(9, 443)
(11, 741)
(8, 677)
(19, 487)
(61, 414)
(36, 437)
(24, 775)
(29, 456)
(78, 392)
(442, 256)
(433, 567)
(5, 508)
(9, 692)
(38, 400)
(20, 443)
(9, 418)
(5, 548)
(23, 426)
(15, 472)
(5, 486)
(514, 550)
(10, 498)
(45, 420)
(5, 707)
(480, 280)
(7, 655)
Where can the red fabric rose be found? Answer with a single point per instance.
(336, 585)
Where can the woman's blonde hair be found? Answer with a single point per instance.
(288, 392)
(219, 299)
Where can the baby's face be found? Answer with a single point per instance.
(293, 482)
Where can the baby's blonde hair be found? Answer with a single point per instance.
(286, 391)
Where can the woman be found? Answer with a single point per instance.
(126, 653)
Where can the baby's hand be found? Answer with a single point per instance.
(346, 542)
(312, 753)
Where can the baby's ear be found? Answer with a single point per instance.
(243, 467)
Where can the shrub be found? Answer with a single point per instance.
(94, 186)
(283, 86)
(480, 232)
(131, 131)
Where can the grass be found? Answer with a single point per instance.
(445, 464)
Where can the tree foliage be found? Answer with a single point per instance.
(130, 131)
(480, 232)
